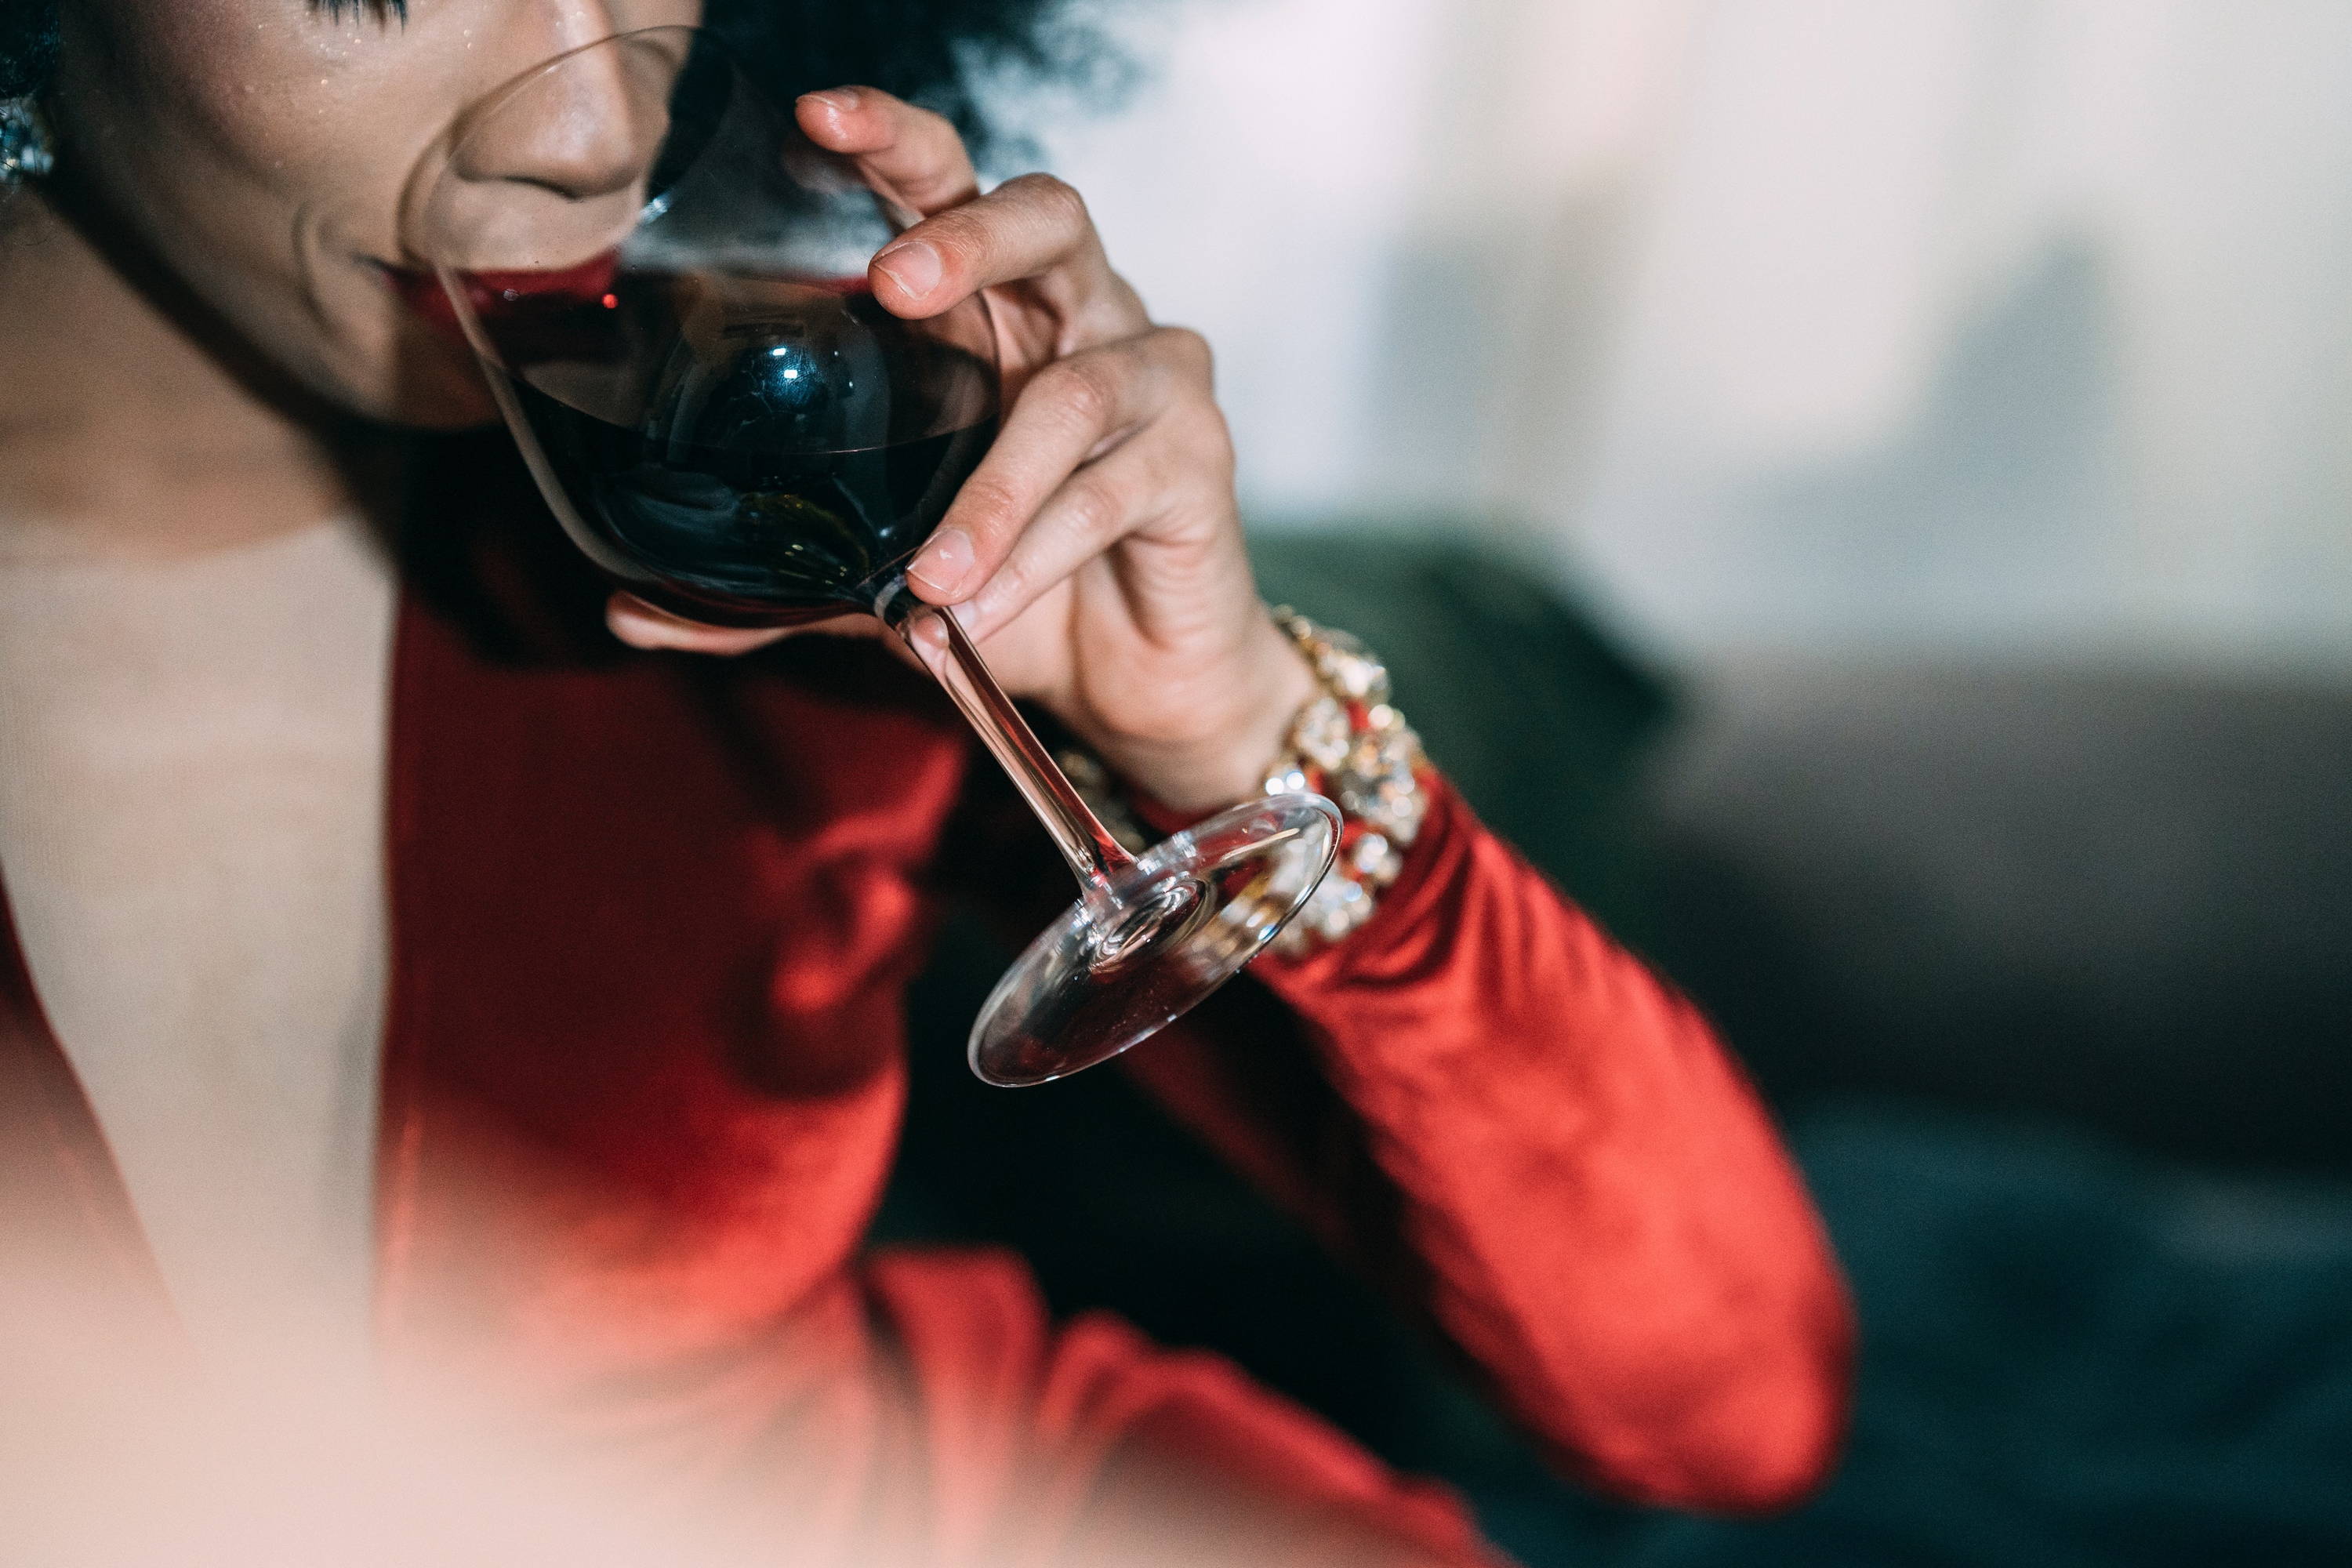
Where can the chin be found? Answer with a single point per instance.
(435, 383)
(367, 350)
(410, 377)
(463, 403)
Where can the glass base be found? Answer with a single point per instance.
(1191, 912)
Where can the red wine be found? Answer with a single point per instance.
(742, 450)
(745, 538)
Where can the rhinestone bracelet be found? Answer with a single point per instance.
(1350, 745)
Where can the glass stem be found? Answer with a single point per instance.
(939, 642)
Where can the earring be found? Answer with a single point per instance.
(24, 141)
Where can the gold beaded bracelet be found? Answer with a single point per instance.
(1350, 745)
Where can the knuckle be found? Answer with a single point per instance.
(963, 238)
(1097, 507)
(1085, 388)
(1054, 214)
(1187, 351)
(1218, 462)
(1199, 431)
(992, 502)
(1013, 581)
(1053, 196)
(931, 125)
(1164, 468)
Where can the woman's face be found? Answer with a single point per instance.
(260, 150)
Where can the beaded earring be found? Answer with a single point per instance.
(24, 141)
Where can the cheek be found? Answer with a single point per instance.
(228, 87)
(247, 106)
(260, 150)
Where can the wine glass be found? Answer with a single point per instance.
(665, 284)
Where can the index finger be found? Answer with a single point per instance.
(916, 152)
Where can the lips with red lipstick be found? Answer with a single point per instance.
(575, 313)
(529, 315)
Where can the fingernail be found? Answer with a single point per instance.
(914, 267)
(840, 100)
(944, 563)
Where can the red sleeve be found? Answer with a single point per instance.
(1084, 1444)
(1548, 1148)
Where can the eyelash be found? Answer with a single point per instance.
(382, 10)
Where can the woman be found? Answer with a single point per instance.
(532, 1000)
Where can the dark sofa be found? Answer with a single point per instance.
(2120, 901)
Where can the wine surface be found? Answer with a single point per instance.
(742, 450)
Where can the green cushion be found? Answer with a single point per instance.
(1535, 712)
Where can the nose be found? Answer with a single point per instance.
(584, 126)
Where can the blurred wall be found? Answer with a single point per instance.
(1986, 327)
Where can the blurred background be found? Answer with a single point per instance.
(1944, 326)
(1861, 492)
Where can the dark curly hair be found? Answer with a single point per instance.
(28, 45)
(931, 51)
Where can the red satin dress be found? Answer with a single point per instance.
(644, 1068)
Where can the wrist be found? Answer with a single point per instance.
(1346, 742)
(1228, 764)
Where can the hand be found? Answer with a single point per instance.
(1095, 554)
